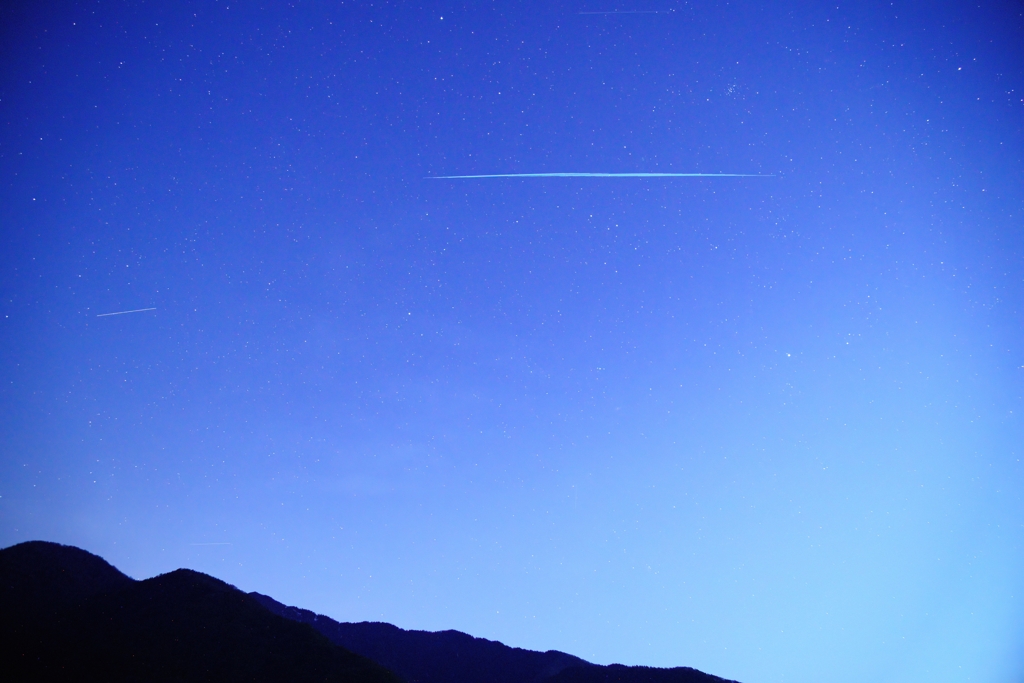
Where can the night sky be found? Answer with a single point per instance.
(767, 427)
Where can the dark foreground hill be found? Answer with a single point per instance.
(617, 673)
(455, 657)
(68, 615)
(42, 579)
(433, 657)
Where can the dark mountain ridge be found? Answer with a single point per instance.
(455, 657)
(66, 614)
(41, 578)
(433, 657)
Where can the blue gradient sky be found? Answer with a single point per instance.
(765, 427)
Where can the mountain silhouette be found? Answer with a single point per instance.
(42, 579)
(433, 657)
(455, 657)
(617, 673)
(68, 615)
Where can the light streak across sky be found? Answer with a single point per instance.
(137, 310)
(635, 11)
(605, 175)
(223, 543)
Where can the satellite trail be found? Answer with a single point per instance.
(605, 175)
(137, 310)
(631, 11)
(211, 544)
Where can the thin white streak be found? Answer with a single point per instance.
(605, 175)
(634, 11)
(137, 310)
